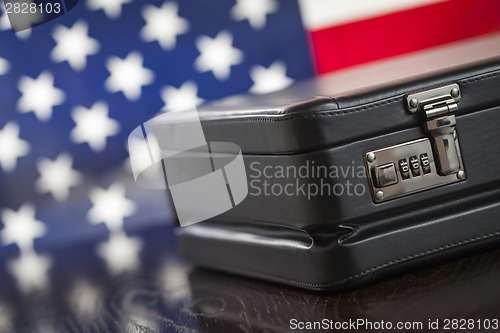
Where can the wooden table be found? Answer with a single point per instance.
(165, 294)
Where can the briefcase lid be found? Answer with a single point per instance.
(355, 103)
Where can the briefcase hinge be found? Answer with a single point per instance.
(437, 102)
(439, 106)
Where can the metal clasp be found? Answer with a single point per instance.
(439, 106)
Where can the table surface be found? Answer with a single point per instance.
(165, 294)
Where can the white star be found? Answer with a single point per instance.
(24, 34)
(128, 75)
(39, 95)
(30, 271)
(110, 206)
(4, 66)
(84, 299)
(163, 25)
(21, 227)
(12, 146)
(93, 126)
(120, 252)
(254, 11)
(6, 317)
(57, 176)
(73, 45)
(217, 55)
(178, 97)
(269, 79)
(112, 8)
(174, 281)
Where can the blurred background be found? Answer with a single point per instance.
(72, 90)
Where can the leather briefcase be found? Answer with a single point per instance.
(351, 186)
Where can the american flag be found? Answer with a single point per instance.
(73, 89)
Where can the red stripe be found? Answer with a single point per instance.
(402, 32)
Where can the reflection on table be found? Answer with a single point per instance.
(158, 292)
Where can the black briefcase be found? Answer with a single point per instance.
(345, 188)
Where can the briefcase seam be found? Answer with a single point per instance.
(391, 262)
(399, 260)
(390, 100)
(478, 78)
(380, 103)
(335, 112)
(420, 254)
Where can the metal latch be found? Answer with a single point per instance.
(439, 106)
(424, 163)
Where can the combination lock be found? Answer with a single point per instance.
(425, 163)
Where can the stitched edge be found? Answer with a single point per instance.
(369, 270)
(330, 113)
(423, 253)
(366, 107)
(342, 112)
(402, 259)
(479, 78)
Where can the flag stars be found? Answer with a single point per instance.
(163, 25)
(269, 79)
(93, 126)
(30, 271)
(12, 146)
(110, 206)
(21, 227)
(73, 45)
(84, 299)
(57, 176)
(254, 11)
(185, 95)
(120, 252)
(39, 95)
(6, 318)
(217, 55)
(4, 66)
(112, 8)
(128, 75)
